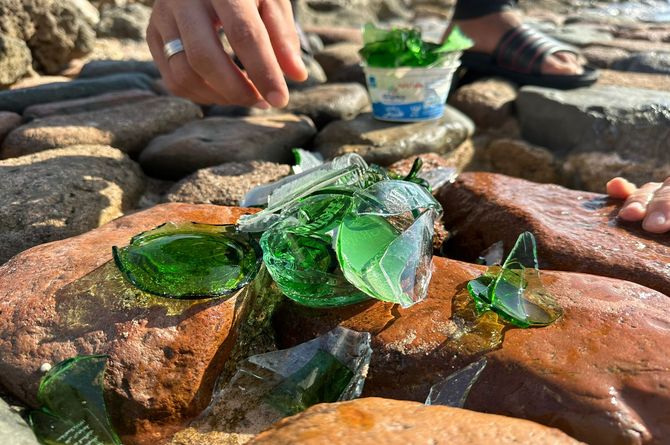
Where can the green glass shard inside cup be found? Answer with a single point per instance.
(405, 48)
(190, 260)
(72, 404)
(515, 290)
(298, 252)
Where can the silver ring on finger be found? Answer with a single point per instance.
(173, 47)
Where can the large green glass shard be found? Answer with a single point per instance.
(515, 290)
(405, 47)
(298, 253)
(267, 387)
(190, 260)
(73, 407)
(384, 245)
(454, 390)
(321, 380)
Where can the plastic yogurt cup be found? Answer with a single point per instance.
(407, 94)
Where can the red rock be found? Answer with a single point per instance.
(373, 421)
(576, 231)
(88, 103)
(601, 373)
(165, 355)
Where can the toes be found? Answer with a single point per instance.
(562, 63)
(635, 207)
(658, 211)
(620, 188)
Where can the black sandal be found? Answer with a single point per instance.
(519, 56)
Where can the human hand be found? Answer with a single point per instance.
(649, 203)
(261, 32)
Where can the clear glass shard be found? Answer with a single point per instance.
(306, 160)
(394, 197)
(288, 193)
(515, 290)
(454, 390)
(493, 255)
(270, 194)
(438, 177)
(73, 407)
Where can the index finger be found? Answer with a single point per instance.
(249, 38)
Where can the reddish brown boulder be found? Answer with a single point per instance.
(601, 373)
(576, 231)
(374, 421)
(67, 298)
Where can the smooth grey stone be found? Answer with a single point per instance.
(329, 102)
(125, 22)
(61, 193)
(15, 60)
(632, 122)
(13, 429)
(653, 62)
(384, 143)
(216, 140)
(99, 68)
(19, 100)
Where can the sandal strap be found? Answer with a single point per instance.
(523, 49)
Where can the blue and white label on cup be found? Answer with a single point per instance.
(409, 94)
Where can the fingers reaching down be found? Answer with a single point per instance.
(278, 19)
(657, 219)
(649, 203)
(250, 40)
(261, 32)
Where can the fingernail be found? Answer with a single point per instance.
(299, 62)
(656, 219)
(262, 105)
(276, 99)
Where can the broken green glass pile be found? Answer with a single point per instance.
(342, 231)
(405, 48)
(515, 291)
(189, 260)
(334, 233)
(72, 404)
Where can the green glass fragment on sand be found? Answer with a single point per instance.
(322, 380)
(190, 260)
(73, 407)
(515, 290)
(405, 47)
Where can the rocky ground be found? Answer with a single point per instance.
(93, 150)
